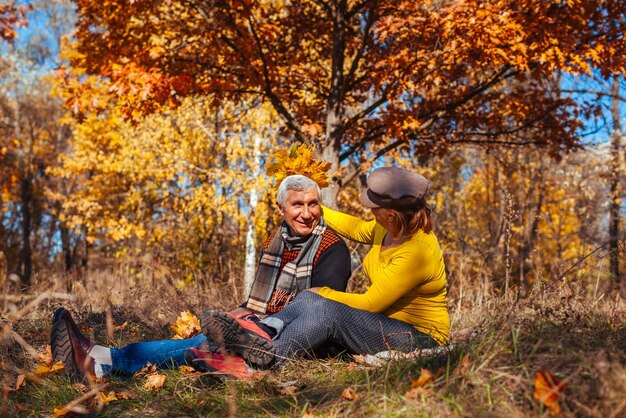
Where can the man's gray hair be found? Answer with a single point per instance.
(296, 182)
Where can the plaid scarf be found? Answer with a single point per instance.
(295, 276)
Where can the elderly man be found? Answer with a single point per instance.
(303, 253)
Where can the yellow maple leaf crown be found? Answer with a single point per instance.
(299, 160)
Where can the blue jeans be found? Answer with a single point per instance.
(163, 353)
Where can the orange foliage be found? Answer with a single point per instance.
(364, 74)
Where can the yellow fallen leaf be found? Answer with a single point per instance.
(188, 370)
(44, 370)
(105, 399)
(350, 394)
(154, 381)
(63, 410)
(187, 325)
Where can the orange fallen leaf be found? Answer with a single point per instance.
(154, 381)
(288, 390)
(20, 381)
(46, 357)
(187, 325)
(548, 389)
(464, 364)
(350, 394)
(418, 392)
(426, 377)
(121, 327)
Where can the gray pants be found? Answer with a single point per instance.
(311, 320)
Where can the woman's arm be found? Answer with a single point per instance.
(349, 226)
(389, 283)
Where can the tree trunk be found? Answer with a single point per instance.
(250, 262)
(615, 186)
(330, 153)
(27, 254)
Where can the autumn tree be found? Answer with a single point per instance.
(12, 17)
(181, 186)
(30, 140)
(360, 78)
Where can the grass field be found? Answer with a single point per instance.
(499, 343)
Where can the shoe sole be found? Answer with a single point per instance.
(61, 345)
(224, 330)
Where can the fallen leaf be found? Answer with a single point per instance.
(44, 369)
(547, 390)
(105, 399)
(127, 394)
(464, 364)
(288, 390)
(150, 368)
(155, 381)
(20, 381)
(62, 411)
(46, 357)
(188, 370)
(350, 394)
(426, 377)
(187, 325)
(418, 392)
(121, 327)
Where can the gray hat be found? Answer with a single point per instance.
(394, 188)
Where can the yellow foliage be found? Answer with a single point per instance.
(186, 326)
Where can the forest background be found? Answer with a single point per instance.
(134, 139)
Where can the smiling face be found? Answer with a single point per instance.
(301, 211)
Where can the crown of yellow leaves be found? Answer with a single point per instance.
(299, 160)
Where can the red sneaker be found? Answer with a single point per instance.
(241, 336)
(218, 364)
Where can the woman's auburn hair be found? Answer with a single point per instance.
(408, 222)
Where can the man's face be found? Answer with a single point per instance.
(301, 211)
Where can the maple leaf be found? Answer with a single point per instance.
(548, 389)
(44, 369)
(187, 325)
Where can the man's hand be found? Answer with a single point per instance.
(314, 289)
(240, 312)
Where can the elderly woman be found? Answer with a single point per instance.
(403, 309)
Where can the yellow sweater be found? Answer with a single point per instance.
(408, 280)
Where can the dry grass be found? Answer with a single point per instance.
(575, 333)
